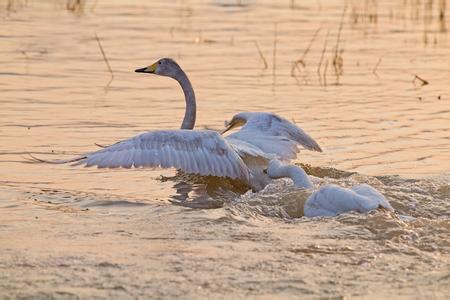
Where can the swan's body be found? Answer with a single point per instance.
(243, 155)
(330, 200)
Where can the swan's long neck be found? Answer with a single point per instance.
(279, 170)
(189, 95)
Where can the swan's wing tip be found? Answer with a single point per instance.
(100, 145)
(76, 160)
(316, 148)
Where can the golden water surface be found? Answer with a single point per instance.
(369, 80)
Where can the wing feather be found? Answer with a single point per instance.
(203, 152)
(205, 163)
(190, 161)
(273, 134)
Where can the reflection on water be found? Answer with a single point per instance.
(205, 192)
(367, 79)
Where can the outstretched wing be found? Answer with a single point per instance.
(274, 134)
(246, 149)
(202, 152)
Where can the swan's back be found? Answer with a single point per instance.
(332, 200)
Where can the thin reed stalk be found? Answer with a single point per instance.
(324, 49)
(301, 60)
(420, 79)
(105, 59)
(374, 70)
(274, 54)
(261, 55)
(338, 61)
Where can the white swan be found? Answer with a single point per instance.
(330, 200)
(243, 155)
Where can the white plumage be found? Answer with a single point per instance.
(202, 152)
(271, 134)
(332, 200)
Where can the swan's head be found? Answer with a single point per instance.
(238, 120)
(164, 67)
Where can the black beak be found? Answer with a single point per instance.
(142, 70)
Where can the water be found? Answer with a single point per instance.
(75, 231)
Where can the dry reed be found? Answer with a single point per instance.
(324, 49)
(261, 55)
(338, 61)
(301, 60)
(442, 9)
(420, 79)
(325, 73)
(274, 54)
(76, 6)
(374, 70)
(105, 59)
